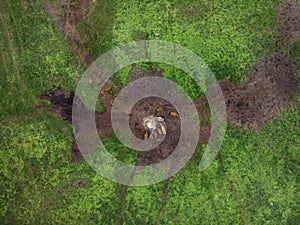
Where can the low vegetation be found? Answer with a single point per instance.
(254, 180)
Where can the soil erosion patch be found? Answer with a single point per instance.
(268, 89)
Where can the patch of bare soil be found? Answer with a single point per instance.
(289, 20)
(267, 90)
(61, 105)
(154, 106)
(159, 108)
(270, 88)
(203, 110)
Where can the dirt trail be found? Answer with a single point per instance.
(67, 15)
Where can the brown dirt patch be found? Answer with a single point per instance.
(61, 105)
(103, 120)
(156, 107)
(203, 114)
(149, 106)
(270, 88)
(289, 20)
(159, 107)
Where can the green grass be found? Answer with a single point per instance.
(34, 154)
(229, 36)
(40, 186)
(35, 57)
(96, 30)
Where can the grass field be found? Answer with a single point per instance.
(255, 179)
